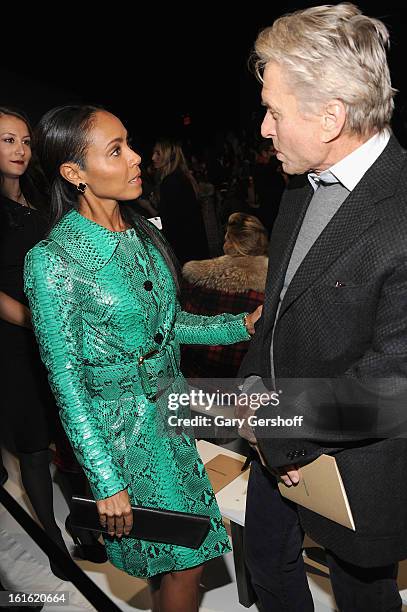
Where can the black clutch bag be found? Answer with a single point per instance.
(165, 526)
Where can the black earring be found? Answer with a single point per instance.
(81, 187)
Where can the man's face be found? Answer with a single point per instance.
(296, 137)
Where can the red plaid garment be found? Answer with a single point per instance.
(199, 361)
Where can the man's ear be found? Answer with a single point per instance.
(333, 119)
(71, 172)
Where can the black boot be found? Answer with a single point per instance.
(91, 550)
(86, 542)
(37, 482)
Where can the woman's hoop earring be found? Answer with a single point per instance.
(81, 187)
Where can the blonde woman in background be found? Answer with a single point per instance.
(178, 204)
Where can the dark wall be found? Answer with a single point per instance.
(32, 95)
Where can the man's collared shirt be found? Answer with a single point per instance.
(351, 169)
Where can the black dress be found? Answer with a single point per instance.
(181, 217)
(28, 412)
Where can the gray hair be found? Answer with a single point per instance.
(333, 52)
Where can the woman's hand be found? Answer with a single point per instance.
(252, 318)
(115, 513)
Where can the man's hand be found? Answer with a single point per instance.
(289, 474)
(116, 513)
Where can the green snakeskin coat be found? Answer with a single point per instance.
(99, 301)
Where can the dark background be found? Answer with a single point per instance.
(152, 66)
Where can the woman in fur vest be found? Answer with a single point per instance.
(234, 282)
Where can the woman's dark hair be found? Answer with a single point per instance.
(153, 234)
(62, 136)
(32, 182)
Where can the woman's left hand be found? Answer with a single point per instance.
(252, 318)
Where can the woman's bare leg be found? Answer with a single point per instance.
(155, 584)
(179, 591)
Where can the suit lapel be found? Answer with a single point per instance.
(339, 235)
(286, 227)
(353, 218)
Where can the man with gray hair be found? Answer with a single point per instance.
(335, 309)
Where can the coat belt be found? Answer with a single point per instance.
(150, 375)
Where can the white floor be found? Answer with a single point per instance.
(25, 567)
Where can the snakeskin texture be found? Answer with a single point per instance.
(99, 301)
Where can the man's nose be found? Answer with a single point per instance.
(268, 127)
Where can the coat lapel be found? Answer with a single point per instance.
(88, 243)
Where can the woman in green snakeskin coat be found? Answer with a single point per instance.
(102, 290)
